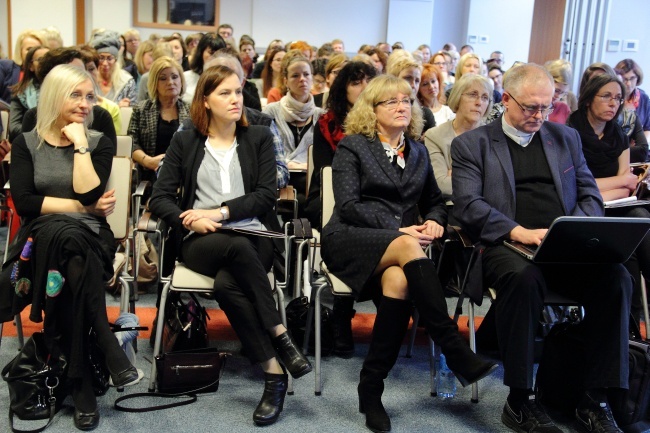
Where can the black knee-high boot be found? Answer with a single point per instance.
(387, 334)
(343, 312)
(426, 292)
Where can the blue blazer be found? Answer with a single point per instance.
(483, 183)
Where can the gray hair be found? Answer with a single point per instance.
(529, 73)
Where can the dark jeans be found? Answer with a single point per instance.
(239, 266)
(603, 290)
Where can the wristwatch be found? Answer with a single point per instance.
(224, 213)
(81, 150)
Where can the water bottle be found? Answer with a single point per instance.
(445, 380)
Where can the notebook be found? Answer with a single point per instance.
(586, 240)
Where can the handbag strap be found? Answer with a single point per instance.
(52, 403)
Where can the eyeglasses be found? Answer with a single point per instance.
(109, 59)
(78, 97)
(631, 79)
(559, 92)
(531, 111)
(439, 64)
(393, 103)
(474, 96)
(607, 98)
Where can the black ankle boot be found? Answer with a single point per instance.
(388, 332)
(291, 356)
(342, 313)
(424, 288)
(269, 408)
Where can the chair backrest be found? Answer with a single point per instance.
(125, 112)
(124, 146)
(4, 117)
(120, 179)
(326, 195)
(310, 166)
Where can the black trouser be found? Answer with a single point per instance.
(604, 291)
(239, 265)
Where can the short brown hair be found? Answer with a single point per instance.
(210, 79)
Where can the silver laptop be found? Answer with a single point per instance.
(586, 240)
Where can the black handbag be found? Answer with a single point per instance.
(186, 325)
(36, 380)
(297, 311)
(181, 375)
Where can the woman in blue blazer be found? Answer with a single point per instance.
(388, 206)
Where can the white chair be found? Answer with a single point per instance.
(124, 146)
(125, 112)
(338, 287)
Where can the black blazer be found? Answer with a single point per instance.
(182, 161)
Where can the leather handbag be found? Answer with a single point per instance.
(186, 325)
(181, 375)
(36, 380)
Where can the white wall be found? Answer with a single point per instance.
(625, 22)
(449, 23)
(57, 13)
(410, 22)
(506, 23)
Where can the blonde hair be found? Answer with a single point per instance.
(52, 34)
(57, 86)
(157, 67)
(362, 118)
(463, 59)
(561, 71)
(465, 82)
(144, 48)
(29, 33)
(399, 61)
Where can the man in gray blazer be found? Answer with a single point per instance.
(510, 179)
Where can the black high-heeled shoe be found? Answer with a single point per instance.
(377, 420)
(86, 421)
(270, 406)
(291, 356)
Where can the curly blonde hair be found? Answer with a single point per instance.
(362, 118)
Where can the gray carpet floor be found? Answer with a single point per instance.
(230, 409)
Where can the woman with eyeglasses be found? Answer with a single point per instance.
(387, 206)
(470, 99)
(58, 182)
(607, 153)
(114, 82)
(440, 60)
(636, 99)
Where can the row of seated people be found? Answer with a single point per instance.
(394, 105)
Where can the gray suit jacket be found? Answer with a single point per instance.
(483, 181)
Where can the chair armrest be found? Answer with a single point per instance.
(142, 188)
(149, 223)
(457, 234)
(287, 193)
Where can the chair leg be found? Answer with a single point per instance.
(317, 337)
(414, 331)
(472, 345)
(159, 332)
(432, 368)
(19, 331)
(283, 316)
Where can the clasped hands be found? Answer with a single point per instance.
(202, 221)
(425, 233)
(104, 206)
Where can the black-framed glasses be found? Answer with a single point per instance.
(607, 98)
(531, 111)
(393, 103)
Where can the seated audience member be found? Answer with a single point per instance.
(466, 49)
(225, 31)
(509, 183)
(296, 115)
(254, 116)
(91, 61)
(272, 74)
(25, 93)
(334, 65)
(101, 119)
(132, 43)
(627, 119)
(471, 63)
(495, 73)
(440, 60)
(115, 83)
(144, 59)
(470, 100)
(385, 47)
(430, 94)
(497, 58)
(161, 49)
(191, 42)
(378, 57)
(425, 51)
(607, 153)
(9, 76)
(397, 46)
(179, 50)
(238, 263)
(58, 182)
(320, 85)
(636, 99)
(249, 89)
(259, 67)
(449, 46)
(401, 64)
(338, 46)
(247, 55)
(155, 120)
(380, 171)
(562, 74)
(52, 37)
(209, 44)
(27, 39)
(325, 51)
